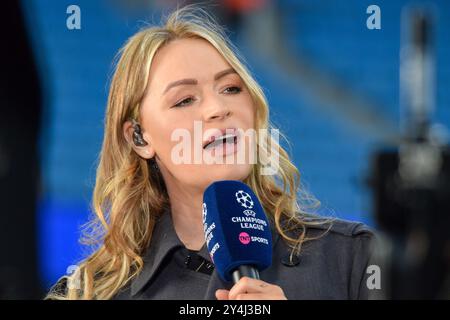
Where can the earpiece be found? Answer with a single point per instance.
(139, 141)
(137, 135)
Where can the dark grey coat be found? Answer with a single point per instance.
(331, 267)
(334, 266)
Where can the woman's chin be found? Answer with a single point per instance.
(202, 176)
(228, 172)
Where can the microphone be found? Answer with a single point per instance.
(236, 230)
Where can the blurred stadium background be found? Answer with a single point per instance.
(332, 84)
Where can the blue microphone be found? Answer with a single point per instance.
(236, 230)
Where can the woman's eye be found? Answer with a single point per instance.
(231, 90)
(235, 90)
(183, 102)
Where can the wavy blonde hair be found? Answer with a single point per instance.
(129, 196)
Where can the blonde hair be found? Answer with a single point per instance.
(129, 194)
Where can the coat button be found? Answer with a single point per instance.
(286, 260)
(187, 260)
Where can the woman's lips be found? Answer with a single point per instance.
(225, 148)
(217, 134)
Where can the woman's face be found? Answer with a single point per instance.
(178, 118)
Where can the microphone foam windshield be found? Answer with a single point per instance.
(237, 231)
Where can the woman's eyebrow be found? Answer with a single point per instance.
(194, 81)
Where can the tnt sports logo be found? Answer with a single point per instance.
(205, 211)
(244, 238)
(244, 199)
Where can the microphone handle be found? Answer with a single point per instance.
(245, 271)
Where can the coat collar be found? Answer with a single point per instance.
(164, 241)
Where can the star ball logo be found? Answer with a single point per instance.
(244, 199)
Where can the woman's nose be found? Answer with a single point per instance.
(217, 113)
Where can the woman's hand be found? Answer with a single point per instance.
(251, 289)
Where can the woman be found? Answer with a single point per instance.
(149, 207)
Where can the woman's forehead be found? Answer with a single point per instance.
(185, 58)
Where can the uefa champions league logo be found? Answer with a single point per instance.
(249, 223)
(245, 200)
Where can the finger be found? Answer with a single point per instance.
(259, 296)
(222, 294)
(249, 285)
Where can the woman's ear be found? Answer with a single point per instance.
(135, 137)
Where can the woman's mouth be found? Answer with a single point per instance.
(223, 145)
